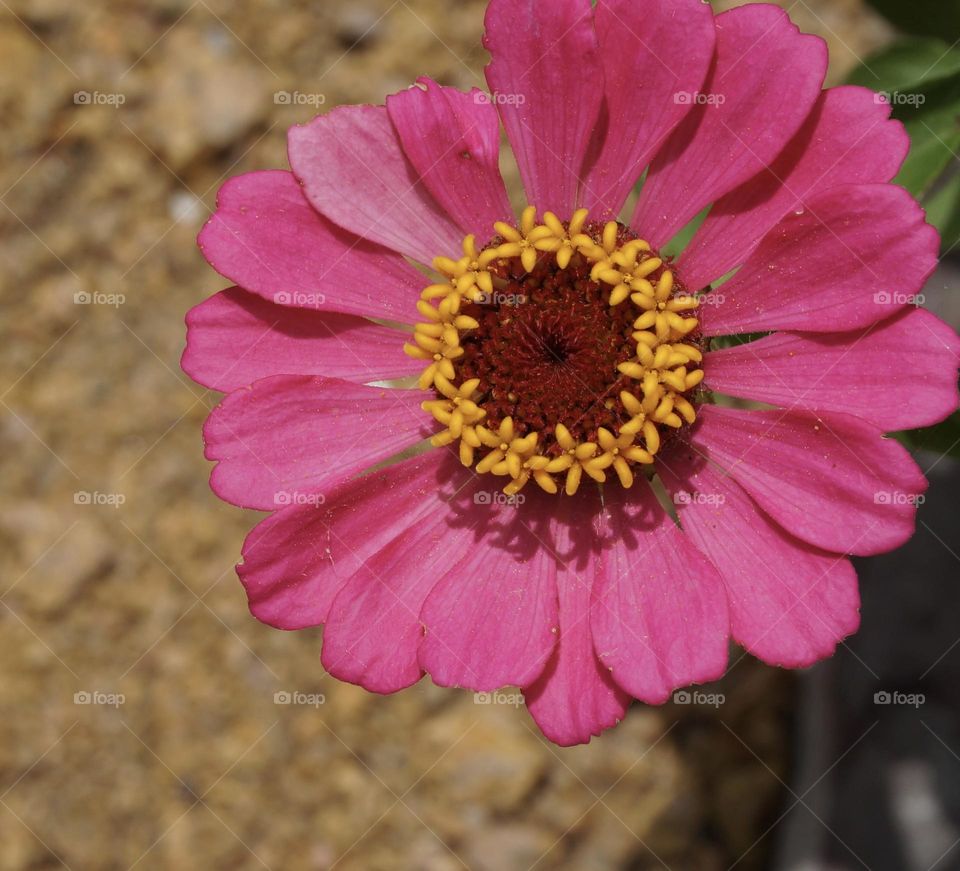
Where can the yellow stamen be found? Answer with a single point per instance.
(665, 368)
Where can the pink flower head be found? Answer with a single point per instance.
(499, 518)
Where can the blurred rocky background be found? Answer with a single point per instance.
(142, 714)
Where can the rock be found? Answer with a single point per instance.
(67, 554)
(208, 93)
(357, 27)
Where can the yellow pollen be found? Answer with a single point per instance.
(665, 367)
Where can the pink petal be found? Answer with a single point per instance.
(452, 138)
(265, 237)
(899, 374)
(575, 697)
(547, 79)
(296, 560)
(659, 616)
(235, 338)
(847, 139)
(765, 80)
(832, 481)
(491, 619)
(354, 171)
(854, 256)
(373, 630)
(645, 83)
(790, 603)
(290, 436)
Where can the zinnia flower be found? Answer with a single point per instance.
(495, 442)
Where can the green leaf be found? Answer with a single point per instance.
(675, 247)
(718, 343)
(935, 140)
(943, 210)
(921, 79)
(944, 438)
(909, 65)
(922, 17)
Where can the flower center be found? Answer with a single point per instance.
(559, 350)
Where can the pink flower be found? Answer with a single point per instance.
(557, 353)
